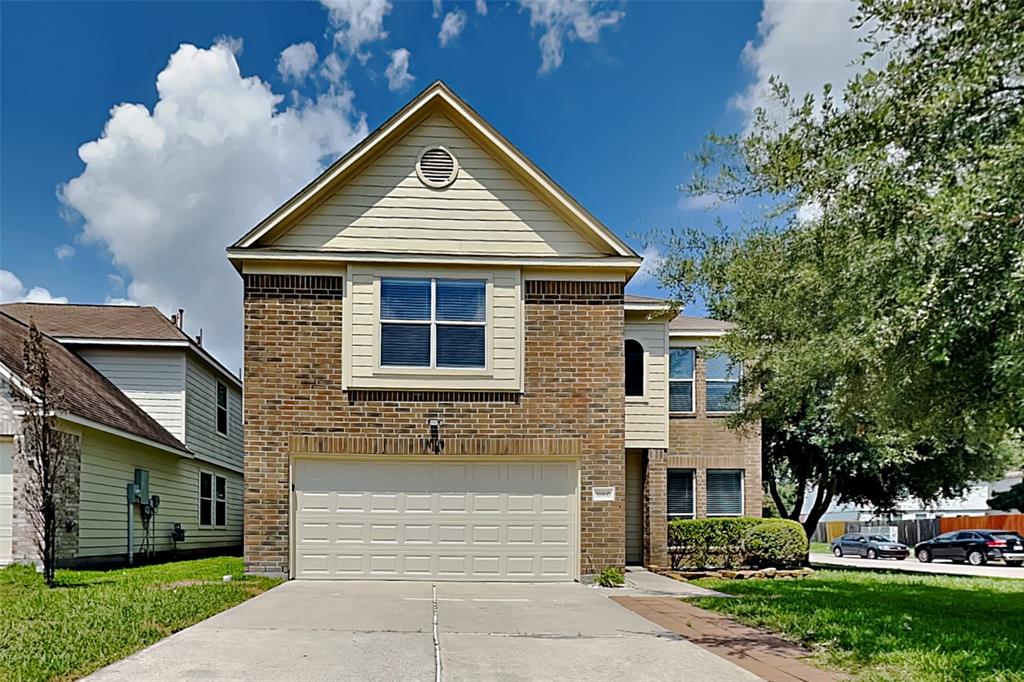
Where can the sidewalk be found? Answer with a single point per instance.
(765, 655)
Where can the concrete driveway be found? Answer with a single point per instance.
(364, 630)
(912, 565)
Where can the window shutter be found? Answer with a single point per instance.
(680, 493)
(725, 492)
(405, 299)
(723, 396)
(461, 300)
(460, 346)
(680, 396)
(405, 345)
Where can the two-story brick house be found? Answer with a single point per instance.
(445, 379)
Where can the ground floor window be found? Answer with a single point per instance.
(725, 492)
(680, 497)
(213, 505)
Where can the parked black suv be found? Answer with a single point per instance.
(976, 547)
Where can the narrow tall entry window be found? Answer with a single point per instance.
(634, 368)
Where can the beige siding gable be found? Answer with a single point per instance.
(154, 379)
(486, 211)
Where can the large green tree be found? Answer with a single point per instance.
(877, 273)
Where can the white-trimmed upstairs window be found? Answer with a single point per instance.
(725, 492)
(213, 504)
(680, 494)
(723, 381)
(222, 409)
(680, 380)
(433, 323)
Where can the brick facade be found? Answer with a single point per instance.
(23, 542)
(294, 402)
(700, 442)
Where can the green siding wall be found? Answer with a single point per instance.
(108, 465)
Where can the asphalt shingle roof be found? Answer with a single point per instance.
(143, 323)
(85, 392)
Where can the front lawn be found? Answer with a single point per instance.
(97, 617)
(890, 626)
(821, 548)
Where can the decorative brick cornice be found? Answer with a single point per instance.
(451, 447)
(382, 396)
(315, 287)
(576, 293)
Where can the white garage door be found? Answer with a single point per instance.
(437, 520)
(6, 498)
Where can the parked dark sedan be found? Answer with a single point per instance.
(870, 546)
(976, 547)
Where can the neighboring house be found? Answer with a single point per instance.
(445, 379)
(139, 394)
(974, 502)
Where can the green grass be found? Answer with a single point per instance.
(890, 626)
(821, 548)
(96, 617)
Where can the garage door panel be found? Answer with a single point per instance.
(437, 520)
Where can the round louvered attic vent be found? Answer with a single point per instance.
(437, 167)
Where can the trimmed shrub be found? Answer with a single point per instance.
(775, 542)
(708, 543)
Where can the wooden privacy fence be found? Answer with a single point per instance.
(913, 531)
(989, 522)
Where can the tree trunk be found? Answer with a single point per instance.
(822, 501)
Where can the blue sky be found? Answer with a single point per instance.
(639, 85)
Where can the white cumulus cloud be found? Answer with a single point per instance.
(165, 191)
(296, 60)
(805, 44)
(567, 20)
(451, 27)
(357, 23)
(64, 252)
(397, 72)
(12, 290)
(481, 7)
(333, 68)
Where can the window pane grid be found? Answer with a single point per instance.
(680, 494)
(680, 385)
(454, 322)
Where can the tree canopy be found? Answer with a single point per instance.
(876, 273)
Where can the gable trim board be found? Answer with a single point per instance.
(243, 259)
(437, 98)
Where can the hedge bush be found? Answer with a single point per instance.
(734, 542)
(708, 543)
(775, 542)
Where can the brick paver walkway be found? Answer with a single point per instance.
(765, 655)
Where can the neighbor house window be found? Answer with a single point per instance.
(634, 368)
(723, 381)
(680, 494)
(680, 380)
(725, 492)
(213, 503)
(433, 323)
(222, 408)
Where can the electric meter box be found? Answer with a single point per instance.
(142, 483)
